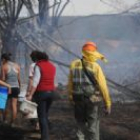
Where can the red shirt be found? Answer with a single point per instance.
(48, 72)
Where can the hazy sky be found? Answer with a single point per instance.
(88, 7)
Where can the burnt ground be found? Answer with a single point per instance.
(122, 124)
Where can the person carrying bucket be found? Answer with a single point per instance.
(11, 75)
(5, 89)
(33, 57)
(43, 90)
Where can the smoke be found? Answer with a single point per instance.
(116, 38)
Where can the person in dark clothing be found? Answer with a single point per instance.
(43, 90)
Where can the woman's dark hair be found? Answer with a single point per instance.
(33, 55)
(42, 56)
(38, 55)
(6, 56)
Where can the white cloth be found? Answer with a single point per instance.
(36, 76)
(31, 70)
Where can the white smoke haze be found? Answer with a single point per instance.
(116, 35)
(54, 50)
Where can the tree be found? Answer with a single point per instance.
(10, 20)
(10, 10)
(30, 31)
(43, 25)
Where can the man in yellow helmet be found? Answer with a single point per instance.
(87, 86)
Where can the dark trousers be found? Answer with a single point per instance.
(44, 100)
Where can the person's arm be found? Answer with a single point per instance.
(30, 83)
(30, 80)
(6, 85)
(99, 75)
(3, 72)
(19, 76)
(36, 80)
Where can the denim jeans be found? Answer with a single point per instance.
(44, 100)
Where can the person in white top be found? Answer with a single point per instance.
(31, 70)
(31, 73)
(30, 81)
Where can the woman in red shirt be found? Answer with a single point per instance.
(43, 90)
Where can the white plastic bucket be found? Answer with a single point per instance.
(21, 99)
(29, 108)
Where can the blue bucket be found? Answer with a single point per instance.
(3, 97)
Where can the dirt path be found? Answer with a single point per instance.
(122, 124)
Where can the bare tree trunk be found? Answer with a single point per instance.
(43, 11)
(11, 11)
(10, 43)
(29, 7)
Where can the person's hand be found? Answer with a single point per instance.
(29, 97)
(9, 90)
(27, 94)
(108, 110)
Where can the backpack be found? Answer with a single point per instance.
(84, 84)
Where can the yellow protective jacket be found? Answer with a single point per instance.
(98, 75)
